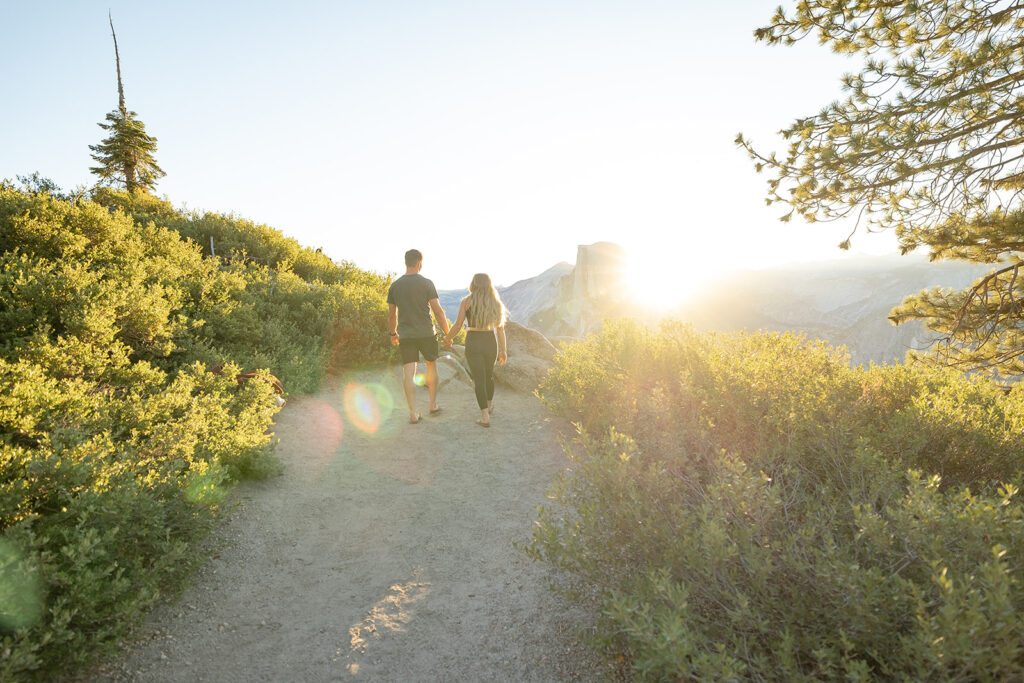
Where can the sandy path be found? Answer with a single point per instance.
(379, 556)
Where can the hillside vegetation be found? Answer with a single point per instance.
(116, 441)
(753, 507)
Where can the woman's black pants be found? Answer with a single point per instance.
(481, 352)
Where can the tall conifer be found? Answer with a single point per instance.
(126, 156)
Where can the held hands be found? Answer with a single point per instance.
(502, 357)
(394, 339)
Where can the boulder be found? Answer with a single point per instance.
(522, 373)
(450, 367)
(530, 356)
(522, 341)
(458, 354)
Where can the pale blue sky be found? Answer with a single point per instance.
(494, 137)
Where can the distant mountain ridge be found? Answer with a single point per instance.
(845, 302)
(522, 298)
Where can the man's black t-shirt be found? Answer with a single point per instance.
(411, 294)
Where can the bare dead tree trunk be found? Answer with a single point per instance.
(117, 60)
(129, 165)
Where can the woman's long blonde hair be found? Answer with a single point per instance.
(485, 306)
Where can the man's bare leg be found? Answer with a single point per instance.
(432, 384)
(409, 385)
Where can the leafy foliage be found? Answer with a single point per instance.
(269, 302)
(126, 157)
(928, 143)
(751, 507)
(116, 442)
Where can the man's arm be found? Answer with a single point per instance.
(457, 325)
(393, 323)
(439, 316)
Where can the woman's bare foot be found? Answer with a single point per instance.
(414, 419)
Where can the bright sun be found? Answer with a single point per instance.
(656, 283)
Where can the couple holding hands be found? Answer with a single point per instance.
(411, 299)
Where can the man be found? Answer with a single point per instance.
(411, 298)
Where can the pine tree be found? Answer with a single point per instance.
(929, 143)
(126, 156)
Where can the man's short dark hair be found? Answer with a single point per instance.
(412, 257)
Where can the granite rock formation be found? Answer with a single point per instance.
(564, 300)
(845, 302)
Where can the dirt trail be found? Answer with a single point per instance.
(379, 556)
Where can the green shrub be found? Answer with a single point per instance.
(117, 444)
(273, 303)
(238, 239)
(751, 507)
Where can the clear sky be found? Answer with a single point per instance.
(492, 136)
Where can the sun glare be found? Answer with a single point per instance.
(655, 283)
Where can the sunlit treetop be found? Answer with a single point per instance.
(126, 157)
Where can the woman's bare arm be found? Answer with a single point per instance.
(502, 345)
(457, 325)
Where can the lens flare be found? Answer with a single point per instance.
(362, 408)
(206, 486)
(385, 400)
(21, 589)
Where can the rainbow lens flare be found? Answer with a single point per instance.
(385, 400)
(363, 407)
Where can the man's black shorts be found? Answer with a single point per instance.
(412, 347)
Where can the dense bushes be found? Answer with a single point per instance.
(751, 507)
(116, 442)
(280, 305)
(238, 239)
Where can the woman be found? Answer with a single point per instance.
(484, 315)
